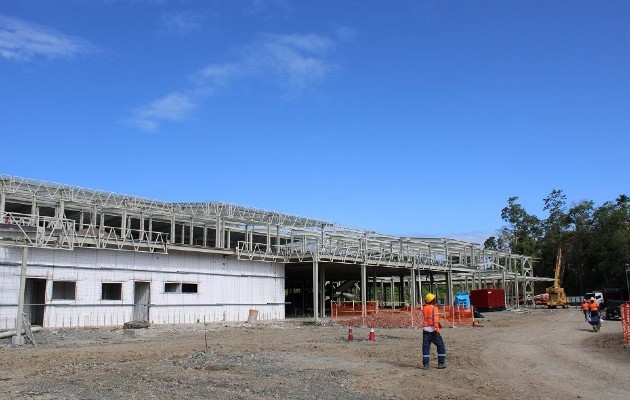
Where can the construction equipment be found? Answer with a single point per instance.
(557, 297)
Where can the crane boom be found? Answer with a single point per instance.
(556, 293)
(556, 278)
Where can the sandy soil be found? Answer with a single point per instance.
(539, 354)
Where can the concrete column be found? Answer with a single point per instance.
(123, 224)
(18, 339)
(150, 229)
(268, 241)
(420, 288)
(401, 292)
(191, 239)
(412, 288)
(363, 290)
(449, 289)
(183, 238)
(172, 238)
(315, 290)
(391, 294)
(93, 216)
(205, 235)
(101, 226)
(503, 287)
(141, 233)
(374, 296)
(217, 233)
(61, 209)
(322, 291)
(3, 199)
(34, 208)
(516, 290)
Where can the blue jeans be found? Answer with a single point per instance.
(436, 339)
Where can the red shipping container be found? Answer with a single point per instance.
(488, 299)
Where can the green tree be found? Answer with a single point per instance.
(524, 230)
(611, 236)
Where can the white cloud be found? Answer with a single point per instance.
(21, 41)
(172, 107)
(182, 23)
(294, 62)
(265, 6)
(217, 75)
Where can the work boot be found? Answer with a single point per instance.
(425, 367)
(441, 366)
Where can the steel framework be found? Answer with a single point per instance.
(76, 216)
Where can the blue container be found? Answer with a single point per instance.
(462, 299)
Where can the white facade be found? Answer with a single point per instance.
(100, 287)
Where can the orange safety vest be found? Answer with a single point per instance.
(594, 306)
(585, 306)
(431, 318)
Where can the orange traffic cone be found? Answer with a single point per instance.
(372, 337)
(350, 335)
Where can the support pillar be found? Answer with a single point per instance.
(172, 238)
(412, 289)
(3, 199)
(322, 291)
(123, 225)
(374, 296)
(18, 340)
(191, 239)
(315, 290)
(391, 294)
(363, 290)
(449, 289)
(516, 289)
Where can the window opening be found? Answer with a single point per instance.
(112, 291)
(64, 290)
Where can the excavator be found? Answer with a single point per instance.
(557, 297)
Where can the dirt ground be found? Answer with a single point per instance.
(536, 354)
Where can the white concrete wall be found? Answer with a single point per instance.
(227, 288)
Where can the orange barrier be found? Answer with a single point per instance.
(625, 322)
(351, 314)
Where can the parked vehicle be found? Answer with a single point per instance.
(602, 296)
(599, 298)
(613, 310)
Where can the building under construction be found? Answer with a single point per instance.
(71, 256)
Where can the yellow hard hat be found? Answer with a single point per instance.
(592, 298)
(429, 297)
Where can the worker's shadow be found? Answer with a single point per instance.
(586, 329)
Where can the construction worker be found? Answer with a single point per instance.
(593, 308)
(585, 308)
(431, 333)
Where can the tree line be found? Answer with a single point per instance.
(595, 240)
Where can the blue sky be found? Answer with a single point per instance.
(403, 117)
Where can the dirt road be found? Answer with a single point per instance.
(540, 354)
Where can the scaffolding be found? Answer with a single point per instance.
(38, 214)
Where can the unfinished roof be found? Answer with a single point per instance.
(134, 223)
